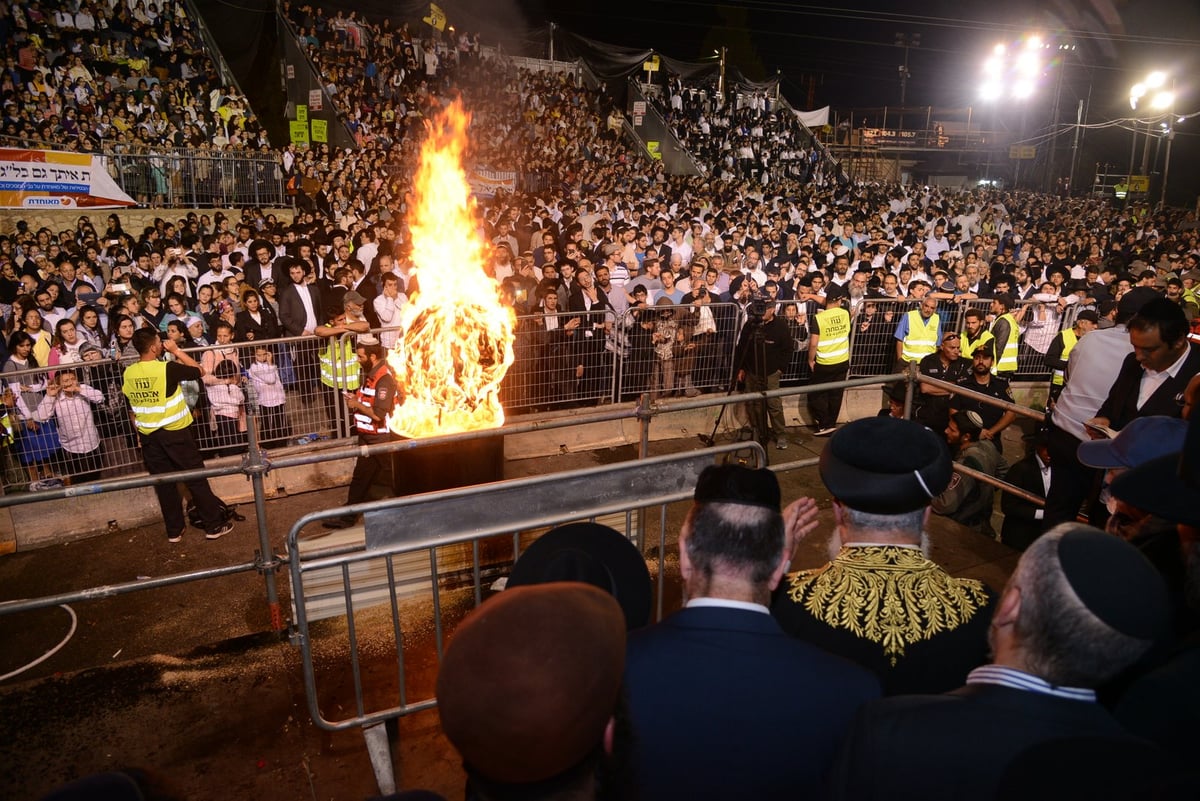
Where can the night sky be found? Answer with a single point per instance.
(848, 56)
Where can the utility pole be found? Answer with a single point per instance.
(906, 41)
(721, 77)
(551, 41)
(1075, 149)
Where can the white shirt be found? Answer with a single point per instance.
(1152, 379)
(727, 603)
(1091, 370)
(388, 311)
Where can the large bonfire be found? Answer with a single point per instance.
(458, 336)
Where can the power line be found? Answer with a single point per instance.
(899, 18)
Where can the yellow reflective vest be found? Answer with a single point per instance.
(833, 327)
(340, 371)
(1007, 362)
(969, 345)
(145, 386)
(922, 336)
(1069, 340)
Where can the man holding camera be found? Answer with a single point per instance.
(763, 351)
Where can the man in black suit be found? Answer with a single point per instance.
(300, 312)
(880, 601)
(714, 700)
(1080, 607)
(1154, 376)
(1022, 518)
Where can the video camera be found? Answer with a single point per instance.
(756, 309)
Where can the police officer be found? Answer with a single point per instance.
(162, 418)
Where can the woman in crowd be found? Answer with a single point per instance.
(64, 348)
(255, 321)
(91, 326)
(120, 346)
(37, 443)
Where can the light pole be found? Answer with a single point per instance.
(1012, 73)
(1152, 91)
(906, 41)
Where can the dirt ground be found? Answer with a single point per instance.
(189, 683)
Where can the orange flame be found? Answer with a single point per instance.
(458, 336)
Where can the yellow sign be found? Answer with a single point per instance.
(301, 113)
(1024, 152)
(651, 64)
(436, 18)
(298, 132)
(1139, 183)
(320, 131)
(652, 148)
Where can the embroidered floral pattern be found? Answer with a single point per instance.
(889, 595)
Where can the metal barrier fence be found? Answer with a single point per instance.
(680, 351)
(873, 341)
(70, 422)
(630, 495)
(665, 351)
(188, 178)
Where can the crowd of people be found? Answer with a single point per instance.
(626, 281)
(116, 77)
(875, 675)
(748, 136)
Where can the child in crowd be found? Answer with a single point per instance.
(71, 403)
(273, 426)
(666, 338)
(227, 400)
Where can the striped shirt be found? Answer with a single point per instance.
(1020, 680)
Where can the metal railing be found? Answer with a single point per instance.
(82, 434)
(462, 518)
(196, 178)
(873, 342)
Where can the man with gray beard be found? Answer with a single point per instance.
(880, 601)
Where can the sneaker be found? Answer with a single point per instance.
(339, 522)
(691, 392)
(781, 444)
(219, 532)
(173, 538)
(824, 432)
(45, 484)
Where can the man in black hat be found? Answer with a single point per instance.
(716, 708)
(1080, 607)
(880, 601)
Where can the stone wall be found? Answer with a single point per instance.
(133, 220)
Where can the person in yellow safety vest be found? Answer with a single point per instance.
(1060, 349)
(828, 362)
(374, 401)
(162, 419)
(1007, 335)
(339, 369)
(975, 331)
(919, 332)
(8, 434)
